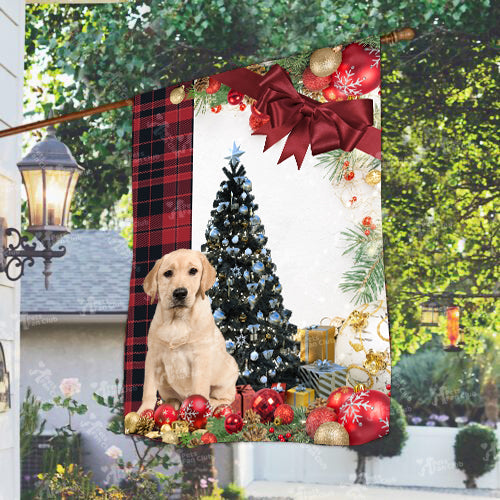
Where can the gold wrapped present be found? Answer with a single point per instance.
(299, 396)
(318, 342)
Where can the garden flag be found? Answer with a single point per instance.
(257, 298)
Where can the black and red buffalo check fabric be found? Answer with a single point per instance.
(162, 173)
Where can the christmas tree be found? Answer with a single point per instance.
(246, 298)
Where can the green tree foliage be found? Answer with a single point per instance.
(476, 452)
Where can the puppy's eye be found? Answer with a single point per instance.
(168, 274)
(193, 271)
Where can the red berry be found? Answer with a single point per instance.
(367, 221)
(216, 109)
(243, 106)
(389, 393)
(373, 226)
(349, 176)
(388, 387)
(354, 198)
(367, 232)
(271, 429)
(281, 437)
(288, 435)
(346, 163)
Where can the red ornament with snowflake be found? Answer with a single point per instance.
(222, 411)
(359, 72)
(195, 410)
(317, 417)
(165, 414)
(338, 397)
(285, 413)
(213, 86)
(365, 416)
(233, 423)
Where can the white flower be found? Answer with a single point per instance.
(114, 452)
(70, 386)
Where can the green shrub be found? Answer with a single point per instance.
(233, 492)
(476, 452)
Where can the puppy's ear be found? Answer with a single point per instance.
(150, 284)
(207, 277)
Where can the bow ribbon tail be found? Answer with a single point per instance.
(297, 142)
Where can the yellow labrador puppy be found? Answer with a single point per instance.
(186, 351)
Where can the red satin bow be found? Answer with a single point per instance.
(324, 126)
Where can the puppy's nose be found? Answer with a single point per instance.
(180, 293)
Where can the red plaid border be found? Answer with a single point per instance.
(162, 173)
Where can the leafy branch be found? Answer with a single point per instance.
(366, 278)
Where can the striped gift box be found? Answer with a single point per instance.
(323, 376)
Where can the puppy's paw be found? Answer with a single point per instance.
(146, 406)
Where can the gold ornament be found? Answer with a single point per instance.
(359, 388)
(242, 317)
(317, 403)
(165, 428)
(201, 84)
(177, 95)
(180, 427)
(331, 433)
(170, 437)
(199, 432)
(358, 320)
(268, 336)
(373, 178)
(144, 425)
(222, 276)
(325, 61)
(375, 362)
(257, 68)
(254, 432)
(251, 417)
(277, 421)
(153, 435)
(249, 100)
(131, 420)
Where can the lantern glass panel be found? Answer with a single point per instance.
(69, 199)
(57, 183)
(34, 191)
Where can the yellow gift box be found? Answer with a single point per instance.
(317, 342)
(299, 396)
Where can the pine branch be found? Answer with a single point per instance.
(204, 102)
(295, 65)
(371, 41)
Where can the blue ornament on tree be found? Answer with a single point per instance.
(247, 276)
(225, 242)
(252, 299)
(268, 354)
(260, 315)
(254, 355)
(227, 223)
(261, 238)
(278, 287)
(272, 373)
(274, 318)
(258, 267)
(255, 219)
(229, 345)
(252, 287)
(263, 379)
(235, 239)
(243, 209)
(247, 184)
(248, 251)
(219, 315)
(214, 233)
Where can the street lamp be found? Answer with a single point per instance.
(429, 314)
(50, 173)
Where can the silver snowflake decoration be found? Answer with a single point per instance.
(375, 53)
(236, 270)
(384, 429)
(352, 408)
(190, 414)
(241, 340)
(347, 83)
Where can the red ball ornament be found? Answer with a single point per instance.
(265, 402)
(338, 397)
(243, 106)
(349, 176)
(367, 221)
(213, 86)
(208, 438)
(271, 430)
(332, 93)
(367, 232)
(216, 109)
(234, 97)
(388, 387)
(288, 435)
(365, 416)
(257, 121)
(313, 82)
(233, 423)
(195, 410)
(281, 437)
(222, 411)
(148, 413)
(285, 413)
(359, 72)
(317, 417)
(165, 414)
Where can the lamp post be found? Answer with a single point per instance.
(50, 173)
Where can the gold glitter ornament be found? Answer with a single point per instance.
(358, 320)
(242, 317)
(359, 388)
(165, 428)
(268, 336)
(277, 421)
(325, 61)
(177, 95)
(131, 420)
(375, 362)
(373, 178)
(170, 437)
(199, 432)
(332, 434)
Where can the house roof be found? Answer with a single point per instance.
(92, 278)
